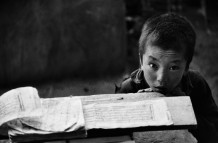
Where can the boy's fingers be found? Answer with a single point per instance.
(145, 90)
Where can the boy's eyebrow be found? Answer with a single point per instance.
(174, 61)
(177, 61)
(153, 58)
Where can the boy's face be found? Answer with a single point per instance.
(163, 69)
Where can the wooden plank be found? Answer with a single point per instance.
(181, 111)
(180, 107)
(103, 140)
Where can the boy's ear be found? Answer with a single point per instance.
(140, 59)
(186, 68)
(186, 71)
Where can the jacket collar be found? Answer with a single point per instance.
(185, 85)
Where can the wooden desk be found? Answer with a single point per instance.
(180, 109)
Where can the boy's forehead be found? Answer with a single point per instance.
(153, 51)
(154, 45)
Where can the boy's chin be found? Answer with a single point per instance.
(162, 91)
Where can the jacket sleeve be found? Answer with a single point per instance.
(206, 111)
(127, 86)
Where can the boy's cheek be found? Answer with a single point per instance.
(149, 76)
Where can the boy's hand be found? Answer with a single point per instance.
(150, 90)
(176, 92)
(145, 90)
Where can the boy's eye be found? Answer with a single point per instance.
(174, 68)
(153, 66)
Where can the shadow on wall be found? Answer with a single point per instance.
(55, 39)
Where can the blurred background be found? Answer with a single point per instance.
(84, 47)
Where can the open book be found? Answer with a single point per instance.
(22, 112)
(29, 117)
(18, 103)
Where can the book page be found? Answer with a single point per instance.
(19, 103)
(105, 98)
(127, 114)
(59, 114)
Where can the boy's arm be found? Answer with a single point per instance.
(205, 109)
(127, 86)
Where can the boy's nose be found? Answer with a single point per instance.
(162, 78)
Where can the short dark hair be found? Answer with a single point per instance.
(169, 31)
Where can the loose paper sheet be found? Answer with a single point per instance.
(59, 114)
(19, 103)
(127, 114)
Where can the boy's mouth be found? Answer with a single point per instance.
(160, 89)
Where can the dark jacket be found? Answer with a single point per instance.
(193, 85)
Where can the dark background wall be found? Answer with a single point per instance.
(42, 40)
(54, 39)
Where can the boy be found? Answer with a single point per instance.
(166, 48)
